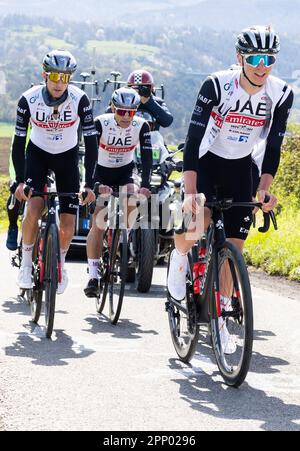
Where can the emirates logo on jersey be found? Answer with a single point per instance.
(54, 121)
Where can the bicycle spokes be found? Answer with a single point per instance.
(232, 323)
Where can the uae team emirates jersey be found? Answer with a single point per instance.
(54, 129)
(230, 123)
(116, 144)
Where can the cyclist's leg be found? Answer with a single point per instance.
(237, 220)
(36, 172)
(96, 234)
(67, 182)
(184, 242)
(13, 215)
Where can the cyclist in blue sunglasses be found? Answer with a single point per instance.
(237, 110)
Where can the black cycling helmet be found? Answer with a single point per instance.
(126, 98)
(59, 61)
(258, 39)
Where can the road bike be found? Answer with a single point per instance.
(215, 268)
(113, 265)
(46, 266)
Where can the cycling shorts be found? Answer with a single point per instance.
(232, 179)
(116, 177)
(65, 168)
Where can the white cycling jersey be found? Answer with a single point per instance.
(117, 144)
(239, 121)
(54, 131)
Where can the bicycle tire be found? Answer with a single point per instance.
(185, 342)
(118, 274)
(233, 368)
(37, 292)
(103, 276)
(145, 259)
(51, 277)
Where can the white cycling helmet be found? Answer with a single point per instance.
(126, 98)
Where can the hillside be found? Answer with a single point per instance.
(218, 15)
(179, 57)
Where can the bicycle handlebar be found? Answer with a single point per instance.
(52, 194)
(226, 205)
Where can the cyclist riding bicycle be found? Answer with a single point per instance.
(142, 81)
(236, 110)
(119, 133)
(54, 111)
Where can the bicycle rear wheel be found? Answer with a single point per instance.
(232, 322)
(51, 277)
(183, 324)
(118, 274)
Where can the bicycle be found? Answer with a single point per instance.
(46, 266)
(215, 264)
(113, 265)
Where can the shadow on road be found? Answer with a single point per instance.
(16, 305)
(125, 328)
(216, 399)
(47, 352)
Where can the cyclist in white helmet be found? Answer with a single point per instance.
(236, 110)
(119, 133)
(54, 111)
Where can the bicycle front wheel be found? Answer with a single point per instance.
(232, 316)
(183, 320)
(51, 277)
(37, 292)
(118, 274)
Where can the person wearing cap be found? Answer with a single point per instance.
(237, 110)
(54, 111)
(142, 81)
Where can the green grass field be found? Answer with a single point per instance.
(55, 43)
(6, 130)
(122, 48)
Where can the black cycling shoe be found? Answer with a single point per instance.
(12, 239)
(92, 290)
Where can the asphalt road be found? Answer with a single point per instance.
(95, 376)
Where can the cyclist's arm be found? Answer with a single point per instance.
(146, 154)
(207, 99)
(274, 141)
(98, 128)
(159, 111)
(19, 142)
(89, 133)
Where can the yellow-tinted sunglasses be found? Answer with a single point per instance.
(56, 76)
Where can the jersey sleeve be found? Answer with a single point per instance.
(85, 114)
(19, 142)
(159, 111)
(206, 100)
(274, 141)
(146, 154)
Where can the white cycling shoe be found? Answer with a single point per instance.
(227, 340)
(62, 286)
(24, 280)
(177, 275)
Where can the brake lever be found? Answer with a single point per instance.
(273, 217)
(266, 225)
